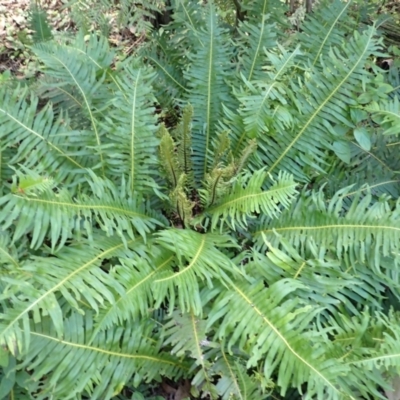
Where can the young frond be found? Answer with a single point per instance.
(168, 158)
(183, 135)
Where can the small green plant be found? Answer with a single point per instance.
(220, 209)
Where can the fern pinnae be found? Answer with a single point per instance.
(260, 39)
(168, 158)
(334, 24)
(209, 84)
(233, 377)
(367, 46)
(89, 110)
(22, 309)
(184, 137)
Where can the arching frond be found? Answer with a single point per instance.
(387, 115)
(132, 128)
(247, 199)
(367, 232)
(137, 276)
(209, 69)
(325, 28)
(73, 273)
(187, 335)
(199, 258)
(326, 99)
(274, 329)
(70, 366)
(54, 212)
(255, 39)
(44, 142)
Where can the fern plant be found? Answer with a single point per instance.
(220, 209)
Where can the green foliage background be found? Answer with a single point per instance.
(220, 207)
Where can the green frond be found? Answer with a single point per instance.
(180, 202)
(168, 158)
(39, 24)
(200, 258)
(137, 276)
(186, 333)
(69, 366)
(9, 257)
(366, 232)
(73, 273)
(255, 37)
(327, 282)
(77, 75)
(51, 212)
(387, 115)
(235, 380)
(183, 135)
(209, 69)
(247, 199)
(274, 329)
(324, 103)
(325, 28)
(132, 129)
(44, 142)
(263, 104)
(256, 10)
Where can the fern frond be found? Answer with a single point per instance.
(73, 273)
(137, 276)
(53, 212)
(183, 135)
(326, 101)
(181, 203)
(187, 334)
(206, 77)
(275, 329)
(74, 72)
(69, 366)
(235, 380)
(368, 232)
(132, 129)
(248, 199)
(168, 158)
(387, 115)
(321, 32)
(216, 184)
(264, 104)
(199, 258)
(44, 142)
(39, 24)
(255, 39)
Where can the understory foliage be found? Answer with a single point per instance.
(221, 207)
